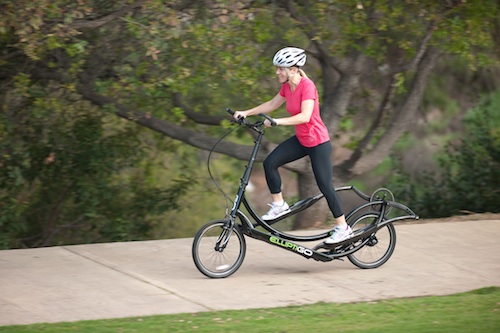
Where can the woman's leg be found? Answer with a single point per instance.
(322, 167)
(289, 150)
(286, 152)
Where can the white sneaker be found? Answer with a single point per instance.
(276, 211)
(339, 234)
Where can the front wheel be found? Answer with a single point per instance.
(379, 246)
(218, 251)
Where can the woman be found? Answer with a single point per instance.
(311, 139)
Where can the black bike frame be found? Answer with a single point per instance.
(286, 241)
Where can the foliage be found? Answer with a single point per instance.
(173, 67)
(469, 178)
(465, 312)
(69, 176)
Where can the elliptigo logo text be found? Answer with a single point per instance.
(291, 246)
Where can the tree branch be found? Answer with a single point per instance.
(94, 24)
(383, 107)
(305, 23)
(194, 138)
(402, 120)
(424, 43)
(420, 52)
(195, 116)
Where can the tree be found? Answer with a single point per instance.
(60, 179)
(373, 57)
(469, 177)
(69, 175)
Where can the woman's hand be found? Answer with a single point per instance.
(267, 123)
(240, 114)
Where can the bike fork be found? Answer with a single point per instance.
(225, 235)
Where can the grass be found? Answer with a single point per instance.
(475, 311)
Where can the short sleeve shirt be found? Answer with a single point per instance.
(314, 132)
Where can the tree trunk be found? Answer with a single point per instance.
(402, 120)
(338, 93)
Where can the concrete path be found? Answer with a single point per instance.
(114, 280)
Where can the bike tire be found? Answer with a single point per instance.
(379, 247)
(212, 262)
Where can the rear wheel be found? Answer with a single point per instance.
(213, 258)
(379, 246)
(382, 194)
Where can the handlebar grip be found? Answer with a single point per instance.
(271, 120)
(243, 120)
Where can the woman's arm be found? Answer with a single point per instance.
(306, 110)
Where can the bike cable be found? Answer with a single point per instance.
(224, 195)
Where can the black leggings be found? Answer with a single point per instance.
(291, 150)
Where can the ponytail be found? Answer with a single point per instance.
(302, 73)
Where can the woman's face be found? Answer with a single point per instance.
(283, 74)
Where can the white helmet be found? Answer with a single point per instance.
(290, 56)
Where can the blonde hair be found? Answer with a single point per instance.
(302, 73)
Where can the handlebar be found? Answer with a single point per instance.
(244, 121)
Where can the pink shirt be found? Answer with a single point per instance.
(314, 132)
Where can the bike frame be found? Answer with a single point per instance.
(286, 241)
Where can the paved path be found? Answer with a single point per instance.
(114, 280)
